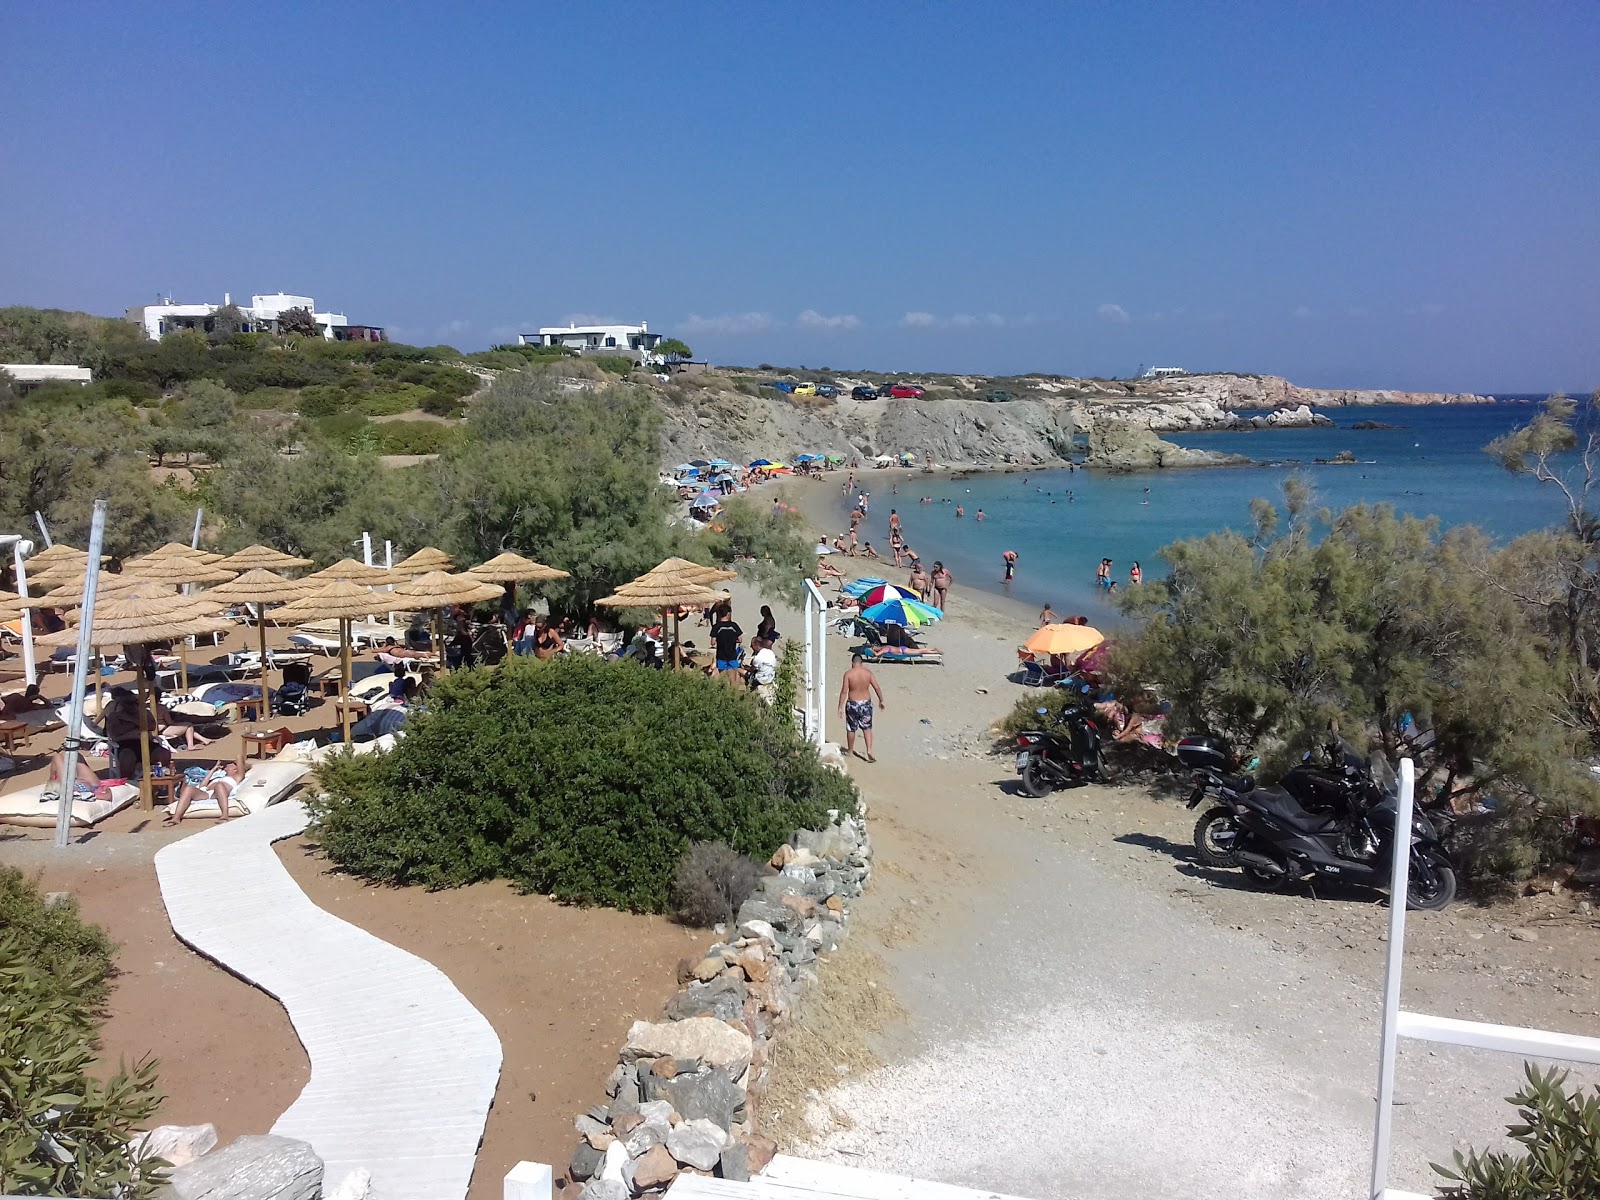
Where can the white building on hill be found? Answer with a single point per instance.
(634, 340)
(1162, 372)
(260, 316)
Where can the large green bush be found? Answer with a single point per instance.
(1561, 1133)
(55, 937)
(62, 1131)
(578, 777)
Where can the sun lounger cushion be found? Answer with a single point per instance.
(263, 784)
(23, 807)
(890, 654)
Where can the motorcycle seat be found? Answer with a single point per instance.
(1283, 806)
(1239, 783)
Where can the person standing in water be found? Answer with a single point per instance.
(1135, 575)
(1010, 557)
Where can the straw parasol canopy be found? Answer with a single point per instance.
(259, 586)
(263, 558)
(436, 589)
(513, 568)
(176, 550)
(683, 569)
(54, 556)
(10, 606)
(646, 592)
(350, 571)
(429, 558)
(70, 595)
(177, 568)
(342, 600)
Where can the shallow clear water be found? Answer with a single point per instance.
(1062, 523)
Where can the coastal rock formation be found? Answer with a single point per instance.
(1122, 446)
(1238, 392)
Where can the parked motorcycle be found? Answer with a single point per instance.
(1067, 754)
(1335, 820)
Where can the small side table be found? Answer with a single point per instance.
(248, 710)
(11, 732)
(259, 743)
(330, 681)
(358, 708)
(164, 788)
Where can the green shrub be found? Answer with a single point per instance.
(55, 937)
(1561, 1131)
(786, 682)
(413, 437)
(441, 404)
(578, 777)
(1024, 713)
(324, 400)
(613, 363)
(282, 399)
(390, 398)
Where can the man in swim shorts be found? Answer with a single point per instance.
(855, 705)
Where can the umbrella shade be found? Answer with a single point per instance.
(351, 571)
(513, 568)
(178, 550)
(429, 558)
(693, 572)
(719, 462)
(70, 595)
(1063, 639)
(699, 462)
(806, 457)
(263, 558)
(902, 612)
(52, 556)
(705, 500)
(137, 633)
(860, 587)
(176, 568)
(762, 462)
(339, 599)
(1095, 659)
(259, 586)
(824, 548)
(689, 467)
(436, 589)
(657, 594)
(886, 591)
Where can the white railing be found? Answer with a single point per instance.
(1398, 1023)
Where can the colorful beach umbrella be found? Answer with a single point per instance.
(1063, 639)
(860, 587)
(699, 462)
(902, 612)
(887, 591)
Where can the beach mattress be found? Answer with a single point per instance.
(23, 807)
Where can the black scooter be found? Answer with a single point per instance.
(1065, 755)
(1275, 838)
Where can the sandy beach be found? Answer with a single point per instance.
(1075, 983)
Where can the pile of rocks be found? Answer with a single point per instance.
(682, 1097)
(249, 1168)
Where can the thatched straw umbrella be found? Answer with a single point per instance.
(176, 550)
(341, 600)
(261, 588)
(429, 558)
(137, 617)
(436, 590)
(183, 569)
(351, 571)
(510, 569)
(10, 606)
(693, 572)
(263, 558)
(665, 595)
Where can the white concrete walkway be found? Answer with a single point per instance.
(403, 1068)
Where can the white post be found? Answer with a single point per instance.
(19, 549)
(529, 1181)
(194, 540)
(44, 530)
(1399, 889)
(80, 672)
(194, 544)
(388, 565)
(366, 557)
(816, 662)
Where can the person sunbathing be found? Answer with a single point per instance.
(27, 700)
(86, 784)
(826, 571)
(219, 784)
(897, 643)
(190, 736)
(391, 653)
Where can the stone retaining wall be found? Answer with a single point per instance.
(683, 1095)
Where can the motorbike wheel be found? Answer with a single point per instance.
(1433, 883)
(1216, 838)
(1034, 781)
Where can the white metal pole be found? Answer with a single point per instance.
(80, 674)
(1399, 889)
(822, 671)
(806, 659)
(194, 540)
(44, 530)
(388, 565)
(816, 618)
(19, 549)
(194, 544)
(366, 557)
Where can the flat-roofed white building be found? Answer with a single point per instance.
(34, 374)
(261, 315)
(635, 340)
(1162, 372)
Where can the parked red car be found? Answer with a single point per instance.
(906, 391)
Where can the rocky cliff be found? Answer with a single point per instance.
(725, 414)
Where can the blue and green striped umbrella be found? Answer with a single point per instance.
(905, 612)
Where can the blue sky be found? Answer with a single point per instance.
(1398, 195)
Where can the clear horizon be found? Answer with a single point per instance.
(1349, 196)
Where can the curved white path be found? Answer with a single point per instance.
(403, 1068)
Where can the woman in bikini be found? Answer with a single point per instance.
(219, 783)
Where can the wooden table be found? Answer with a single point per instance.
(164, 788)
(331, 681)
(11, 732)
(259, 743)
(358, 708)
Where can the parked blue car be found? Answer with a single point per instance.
(782, 385)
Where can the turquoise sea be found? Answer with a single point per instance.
(1061, 523)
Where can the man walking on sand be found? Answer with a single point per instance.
(855, 705)
(941, 580)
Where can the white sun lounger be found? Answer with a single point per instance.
(263, 784)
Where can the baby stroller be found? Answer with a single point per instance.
(293, 696)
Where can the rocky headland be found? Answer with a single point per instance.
(1042, 420)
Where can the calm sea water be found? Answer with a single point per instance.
(1062, 523)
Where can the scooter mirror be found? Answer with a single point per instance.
(1043, 712)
